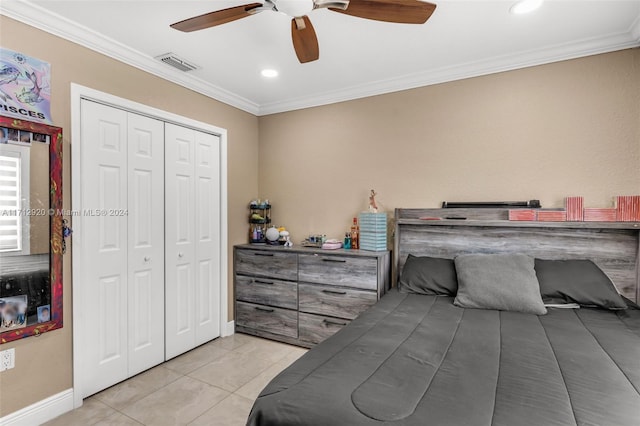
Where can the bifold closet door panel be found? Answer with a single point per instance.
(104, 244)
(207, 232)
(180, 244)
(122, 175)
(192, 233)
(146, 242)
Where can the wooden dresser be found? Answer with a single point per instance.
(304, 295)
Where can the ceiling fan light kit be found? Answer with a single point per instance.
(294, 8)
(303, 35)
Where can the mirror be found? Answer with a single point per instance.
(30, 228)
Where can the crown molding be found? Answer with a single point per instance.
(43, 19)
(497, 64)
(38, 17)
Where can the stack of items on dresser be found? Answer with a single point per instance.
(373, 231)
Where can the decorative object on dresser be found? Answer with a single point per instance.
(373, 231)
(303, 296)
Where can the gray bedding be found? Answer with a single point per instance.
(420, 360)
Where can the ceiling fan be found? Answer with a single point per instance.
(305, 42)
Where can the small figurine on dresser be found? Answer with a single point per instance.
(287, 239)
(373, 207)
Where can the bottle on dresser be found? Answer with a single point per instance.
(347, 240)
(355, 234)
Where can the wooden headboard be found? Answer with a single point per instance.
(613, 246)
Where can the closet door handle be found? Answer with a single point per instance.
(264, 254)
(263, 282)
(334, 292)
(180, 255)
(329, 322)
(147, 258)
(334, 260)
(257, 308)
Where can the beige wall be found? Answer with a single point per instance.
(44, 364)
(569, 128)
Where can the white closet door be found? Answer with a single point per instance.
(192, 233)
(123, 241)
(146, 243)
(180, 244)
(104, 242)
(207, 219)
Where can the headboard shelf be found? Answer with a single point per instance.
(613, 246)
(522, 224)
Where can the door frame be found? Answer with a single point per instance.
(78, 93)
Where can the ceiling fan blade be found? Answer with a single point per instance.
(215, 18)
(305, 41)
(397, 11)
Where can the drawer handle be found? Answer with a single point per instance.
(263, 254)
(329, 322)
(334, 260)
(263, 282)
(257, 308)
(334, 292)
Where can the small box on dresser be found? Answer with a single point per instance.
(304, 295)
(373, 231)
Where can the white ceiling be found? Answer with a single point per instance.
(358, 57)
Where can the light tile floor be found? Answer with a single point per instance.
(214, 384)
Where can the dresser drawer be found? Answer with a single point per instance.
(316, 328)
(267, 291)
(266, 318)
(262, 263)
(348, 271)
(334, 301)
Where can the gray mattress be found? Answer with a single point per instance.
(419, 360)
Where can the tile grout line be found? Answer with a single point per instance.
(131, 402)
(252, 353)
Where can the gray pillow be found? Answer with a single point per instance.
(577, 281)
(506, 282)
(428, 275)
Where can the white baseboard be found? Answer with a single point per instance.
(58, 404)
(228, 329)
(42, 411)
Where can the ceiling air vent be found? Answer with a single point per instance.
(176, 62)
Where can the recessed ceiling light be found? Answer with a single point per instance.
(525, 6)
(269, 73)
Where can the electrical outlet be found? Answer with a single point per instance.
(7, 359)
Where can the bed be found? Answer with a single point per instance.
(418, 359)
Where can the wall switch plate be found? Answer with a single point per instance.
(7, 359)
